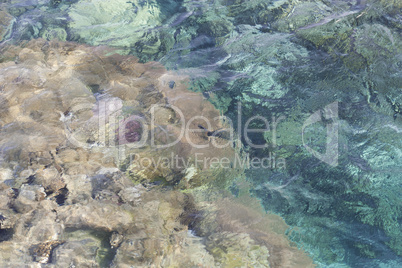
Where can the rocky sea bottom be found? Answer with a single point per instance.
(75, 190)
(219, 133)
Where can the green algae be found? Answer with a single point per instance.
(6, 24)
(258, 12)
(95, 241)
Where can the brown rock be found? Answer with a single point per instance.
(95, 215)
(29, 197)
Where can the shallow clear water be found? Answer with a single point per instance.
(325, 75)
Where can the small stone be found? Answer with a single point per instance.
(116, 239)
(28, 197)
(42, 251)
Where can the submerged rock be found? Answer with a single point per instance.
(128, 94)
(238, 232)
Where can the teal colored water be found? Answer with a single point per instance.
(340, 184)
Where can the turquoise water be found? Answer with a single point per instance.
(278, 59)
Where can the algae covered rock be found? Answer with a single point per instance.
(302, 14)
(6, 23)
(261, 67)
(239, 233)
(363, 42)
(233, 250)
(116, 23)
(258, 12)
(56, 33)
